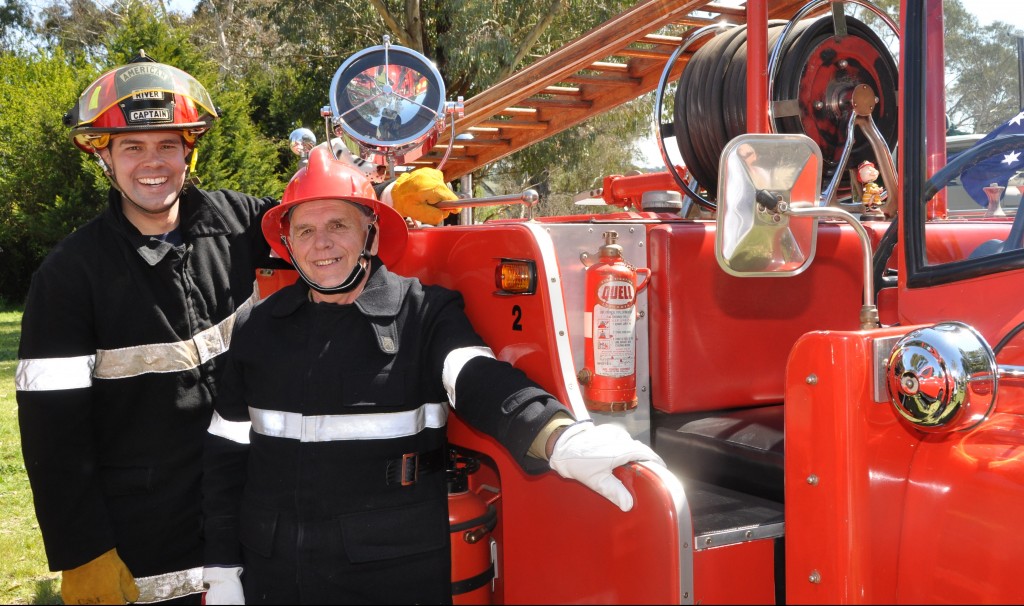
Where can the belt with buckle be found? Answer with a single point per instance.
(405, 469)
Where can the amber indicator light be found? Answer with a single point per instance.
(515, 277)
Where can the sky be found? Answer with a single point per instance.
(988, 11)
(182, 6)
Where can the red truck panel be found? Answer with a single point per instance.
(719, 341)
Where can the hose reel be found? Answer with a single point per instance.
(815, 66)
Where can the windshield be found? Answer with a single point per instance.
(973, 162)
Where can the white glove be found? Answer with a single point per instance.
(223, 586)
(588, 453)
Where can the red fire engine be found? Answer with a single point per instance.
(820, 371)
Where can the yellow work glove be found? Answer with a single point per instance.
(415, 193)
(105, 580)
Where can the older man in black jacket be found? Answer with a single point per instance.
(338, 492)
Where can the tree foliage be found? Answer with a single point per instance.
(15, 22)
(982, 88)
(268, 65)
(981, 70)
(47, 187)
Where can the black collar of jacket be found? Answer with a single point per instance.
(198, 219)
(380, 302)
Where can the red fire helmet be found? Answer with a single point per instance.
(326, 178)
(140, 96)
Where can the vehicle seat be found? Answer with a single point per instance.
(740, 449)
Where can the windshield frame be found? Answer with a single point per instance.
(912, 150)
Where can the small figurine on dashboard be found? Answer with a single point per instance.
(871, 192)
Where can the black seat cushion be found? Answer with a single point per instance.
(740, 449)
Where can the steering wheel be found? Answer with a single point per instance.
(939, 180)
(966, 160)
(880, 259)
(969, 158)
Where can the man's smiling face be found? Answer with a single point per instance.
(149, 168)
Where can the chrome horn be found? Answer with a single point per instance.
(943, 378)
(301, 141)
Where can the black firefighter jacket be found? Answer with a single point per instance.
(121, 343)
(336, 395)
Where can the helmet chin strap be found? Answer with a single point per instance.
(354, 278)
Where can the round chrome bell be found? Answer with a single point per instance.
(942, 378)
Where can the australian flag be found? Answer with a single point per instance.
(997, 169)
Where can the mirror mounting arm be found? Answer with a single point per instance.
(455, 109)
(863, 103)
(868, 311)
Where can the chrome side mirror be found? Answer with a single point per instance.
(754, 240)
(768, 212)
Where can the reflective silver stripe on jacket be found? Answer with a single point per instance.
(236, 431)
(170, 357)
(453, 364)
(47, 374)
(169, 585)
(332, 428)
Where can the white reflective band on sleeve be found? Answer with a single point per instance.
(453, 366)
(169, 585)
(236, 431)
(170, 357)
(333, 428)
(48, 374)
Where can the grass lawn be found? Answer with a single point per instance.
(24, 577)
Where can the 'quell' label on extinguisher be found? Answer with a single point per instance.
(613, 326)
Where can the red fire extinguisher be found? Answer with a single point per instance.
(471, 519)
(608, 376)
